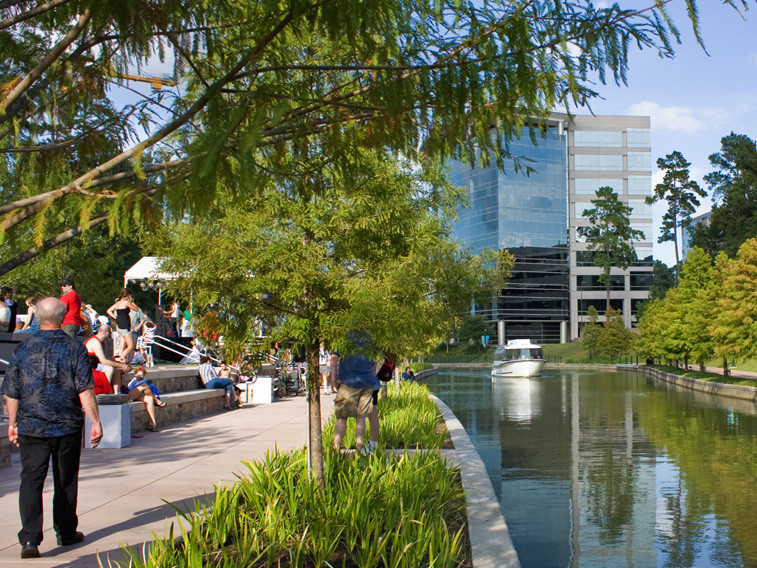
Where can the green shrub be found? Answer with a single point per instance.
(375, 510)
(381, 509)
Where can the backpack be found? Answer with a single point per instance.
(386, 372)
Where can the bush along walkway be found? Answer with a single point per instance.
(376, 510)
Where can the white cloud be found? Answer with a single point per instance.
(669, 118)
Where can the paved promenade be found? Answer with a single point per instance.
(121, 490)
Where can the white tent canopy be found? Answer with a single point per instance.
(147, 268)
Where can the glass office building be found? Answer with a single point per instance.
(539, 218)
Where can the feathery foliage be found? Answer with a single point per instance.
(264, 76)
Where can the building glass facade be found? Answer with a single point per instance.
(539, 219)
(528, 215)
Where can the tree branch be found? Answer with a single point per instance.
(168, 129)
(48, 60)
(34, 252)
(38, 205)
(13, 20)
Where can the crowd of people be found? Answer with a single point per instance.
(83, 370)
(131, 331)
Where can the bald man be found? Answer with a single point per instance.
(48, 390)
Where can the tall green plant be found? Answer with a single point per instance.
(373, 511)
(591, 332)
(610, 235)
(339, 247)
(615, 339)
(681, 194)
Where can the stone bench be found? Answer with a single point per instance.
(180, 407)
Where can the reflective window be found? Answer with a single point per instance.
(584, 258)
(591, 282)
(582, 234)
(639, 161)
(640, 209)
(639, 185)
(644, 255)
(638, 138)
(598, 138)
(641, 280)
(599, 162)
(589, 186)
(581, 208)
(645, 228)
(600, 305)
(509, 209)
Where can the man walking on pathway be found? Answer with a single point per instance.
(47, 385)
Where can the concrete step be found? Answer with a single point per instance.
(180, 407)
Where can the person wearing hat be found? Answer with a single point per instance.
(72, 321)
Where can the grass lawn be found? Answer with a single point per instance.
(709, 377)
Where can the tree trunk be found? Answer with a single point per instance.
(314, 411)
(678, 260)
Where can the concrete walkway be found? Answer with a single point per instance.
(121, 491)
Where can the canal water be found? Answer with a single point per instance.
(610, 469)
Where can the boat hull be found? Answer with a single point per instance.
(527, 368)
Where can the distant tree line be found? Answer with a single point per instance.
(711, 313)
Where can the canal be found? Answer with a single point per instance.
(610, 469)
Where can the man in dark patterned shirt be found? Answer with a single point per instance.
(47, 385)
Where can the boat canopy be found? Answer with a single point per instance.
(518, 350)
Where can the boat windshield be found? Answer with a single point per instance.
(523, 354)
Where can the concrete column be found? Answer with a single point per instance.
(500, 332)
(563, 332)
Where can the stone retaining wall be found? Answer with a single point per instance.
(180, 407)
(741, 392)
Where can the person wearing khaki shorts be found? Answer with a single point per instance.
(353, 402)
(356, 378)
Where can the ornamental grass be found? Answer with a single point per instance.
(383, 509)
(408, 419)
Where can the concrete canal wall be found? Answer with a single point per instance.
(741, 392)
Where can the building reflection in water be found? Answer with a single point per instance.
(607, 469)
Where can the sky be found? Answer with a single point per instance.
(693, 100)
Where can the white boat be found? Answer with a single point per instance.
(519, 358)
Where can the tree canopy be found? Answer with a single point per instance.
(610, 235)
(734, 190)
(327, 254)
(680, 192)
(256, 79)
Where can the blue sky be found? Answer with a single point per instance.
(695, 99)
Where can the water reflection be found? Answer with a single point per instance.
(610, 469)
